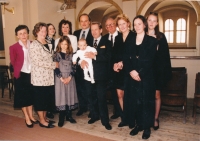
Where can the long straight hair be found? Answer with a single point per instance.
(69, 48)
(157, 32)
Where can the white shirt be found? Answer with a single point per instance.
(86, 32)
(114, 35)
(26, 67)
(73, 40)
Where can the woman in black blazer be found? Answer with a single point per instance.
(163, 64)
(123, 23)
(138, 61)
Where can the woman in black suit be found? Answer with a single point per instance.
(138, 61)
(123, 23)
(163, 64)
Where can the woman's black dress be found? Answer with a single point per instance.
(140, 95)
(163, 71)
(118, 50)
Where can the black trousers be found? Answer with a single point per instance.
(97, 100)
(81, 91)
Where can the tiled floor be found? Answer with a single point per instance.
(172, 127)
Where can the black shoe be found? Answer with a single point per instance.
(146, 134)
(71, 120)
(80, 112)
(60, 123)
(156, 127)
(135, 131)
(50, 115)
(108, 126)
(122, 124)
(35, 122)
(48, 126)
(115, 116)
(61, 118)
(131, 126)
(51, 121)
(92, 120)
(89, 115)
(29, 126)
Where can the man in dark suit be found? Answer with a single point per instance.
(112, 33)
(85, 32)
(97, 91)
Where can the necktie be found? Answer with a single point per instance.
(111, 39)
(83, 35)
(95, 43)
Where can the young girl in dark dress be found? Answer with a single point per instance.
(65, 87)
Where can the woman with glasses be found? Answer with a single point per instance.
(163, 64)
(121, 41)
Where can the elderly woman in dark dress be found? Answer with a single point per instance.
(20, 61)
(138, 62)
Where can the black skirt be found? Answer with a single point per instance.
(44, 98)
(23, 91)
(119, 80)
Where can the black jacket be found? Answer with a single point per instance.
(100, 65)
(89, 37)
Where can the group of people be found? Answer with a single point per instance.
(76, 71)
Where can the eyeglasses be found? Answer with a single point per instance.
(110, 25)
(154, 13)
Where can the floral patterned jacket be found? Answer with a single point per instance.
(42, 65)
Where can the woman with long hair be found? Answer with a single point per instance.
(163, 63)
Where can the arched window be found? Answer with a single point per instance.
(169, 30)
(180, 30)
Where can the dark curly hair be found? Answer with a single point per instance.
(64, 22)
(20, 27)
(37, 28)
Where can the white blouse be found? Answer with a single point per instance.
(26, 68)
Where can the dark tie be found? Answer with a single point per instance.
(83, 35)
(95, 43)
(111, 39)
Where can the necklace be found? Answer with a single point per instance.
(43, 42)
